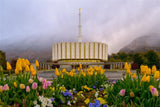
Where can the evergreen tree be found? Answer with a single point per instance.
(2, 59)
(152, 58)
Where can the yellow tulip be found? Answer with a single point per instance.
(132, 94)
(57, 72)
(156, 75)
(128, 71)
(81, 71)
(16, 71)
(9, 66)
(102, 71)
(27, 68)
(144, 69)
(31, 68)
(63, 70)
(80, 66)
(27, 62)
(154, 69)
(37, 63)
(143, 78)
(71, 74)
(33, 72)
(148, 79)
(23, 62)
(19, 67)
(22, 86)
(62, 76)
(15, 84)
(148, 72)
(126, 66)
(53, 89)
(134, 76)
(129, 66)
(84, 74)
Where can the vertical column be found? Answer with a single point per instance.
(55, 52)
(73, 50)
(77, 50)
(96, 50)
(63, 50)
(87, 50)
(100, 51)
(59, 51)
(82, 50)
(106, 52)
(91, 50)
(68, 50)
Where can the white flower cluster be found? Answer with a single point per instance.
(45, 102)
(105, 86)
(96, 94)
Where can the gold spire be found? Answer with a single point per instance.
(79, 10)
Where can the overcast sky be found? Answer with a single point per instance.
(115, 22)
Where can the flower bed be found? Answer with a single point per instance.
(87, 87)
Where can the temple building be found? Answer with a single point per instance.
(72, 54)
(79, 52)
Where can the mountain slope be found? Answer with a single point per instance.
(143, 44)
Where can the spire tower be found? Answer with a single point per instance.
(80, 35)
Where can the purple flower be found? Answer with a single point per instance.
(101, 89)
(52, 99)
(94, 86)
(91, 104)
(114, 82)
(74, 92)
(98, 104)
(105, 105)
(64, 94)
(61, 101)
(67, 93)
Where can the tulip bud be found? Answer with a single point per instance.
(37, 63)
(6, 87)
(15, 84)
(27, 89)
(30, 80)
(122, 92)
(34, 86)
(8, 66)
(22, 86)
(131, 94)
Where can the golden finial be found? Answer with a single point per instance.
(79, 10)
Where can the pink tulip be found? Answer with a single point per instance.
(27, 89)
(159, 85)
(6, 87)
(34, 85)
(48, 83)
(37, 78)
(154, 92)
(44, 81)
(44, 86)
(122, 92)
